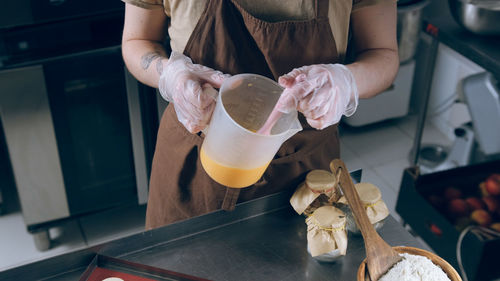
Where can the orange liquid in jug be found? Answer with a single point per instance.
(230, 176)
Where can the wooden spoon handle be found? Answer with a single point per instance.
(358, 210)
(379, 255)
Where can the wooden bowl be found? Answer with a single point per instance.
(447, 268)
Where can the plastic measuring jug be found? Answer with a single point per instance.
(232, 153)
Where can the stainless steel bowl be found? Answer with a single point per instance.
(478, 16)
(408, 28)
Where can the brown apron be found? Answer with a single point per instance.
(229, 39)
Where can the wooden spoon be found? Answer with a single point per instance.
(380, 256)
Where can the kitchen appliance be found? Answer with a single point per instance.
(482, 96)
(478, 16)
(476, 141)
(409, 24)
(78, 127)
(392, 103)
(435, 158)
(22, 13)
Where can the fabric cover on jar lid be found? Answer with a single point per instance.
(368, 193)
(326, 231)
(318, 183)
(320, 180)
(371, 198)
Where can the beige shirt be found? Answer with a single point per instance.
(184, 15)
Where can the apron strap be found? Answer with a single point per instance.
(230, 198)
(322, 9)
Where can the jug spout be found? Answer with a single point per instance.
(295, 127)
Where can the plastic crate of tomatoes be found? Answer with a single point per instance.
(443, 207)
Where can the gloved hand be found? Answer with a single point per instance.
(322, 92)
(190, 87)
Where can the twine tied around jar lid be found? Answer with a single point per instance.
(319, 188)
(370, 196)
(326, 231)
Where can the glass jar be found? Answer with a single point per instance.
(375, 207)
(331, 256)
(320, 188)
(326, 234)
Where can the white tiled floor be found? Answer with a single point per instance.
(17, 246)
(381, 150)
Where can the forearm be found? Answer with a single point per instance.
(376, 48)
(374, 71)
(143, 32)
(145, 60)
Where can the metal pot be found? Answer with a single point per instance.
(408, 29)
(478, 16)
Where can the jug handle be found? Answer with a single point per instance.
(205, 130)
(212, 92)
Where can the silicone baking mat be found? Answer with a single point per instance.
(103, 267)
(99, 274)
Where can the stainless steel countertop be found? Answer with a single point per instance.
(267, 247)
(263, 239)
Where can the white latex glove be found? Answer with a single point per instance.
(190, 87)
(322, 92)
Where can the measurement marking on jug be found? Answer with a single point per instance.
(253, 112)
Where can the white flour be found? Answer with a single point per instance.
(415, 268)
